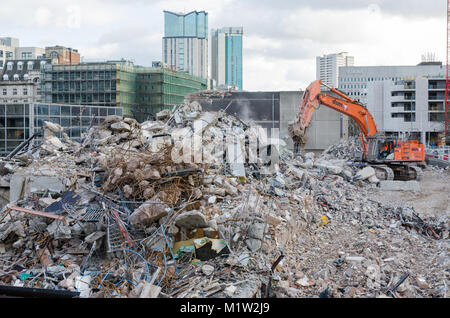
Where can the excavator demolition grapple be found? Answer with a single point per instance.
(392, 159)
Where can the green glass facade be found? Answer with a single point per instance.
(136, 90)
(192, 24)
(160, 88)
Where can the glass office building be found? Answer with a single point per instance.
(185, 42)
(226, 60)
(19, 121)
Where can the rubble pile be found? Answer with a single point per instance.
(348, 149)
(122, 214)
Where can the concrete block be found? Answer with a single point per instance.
(33, 184)
(191, 220)
(391, 185)
(365, 173)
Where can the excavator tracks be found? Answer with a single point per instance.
(406, 172)
(398, 172)
(415, 172)
(383, 172)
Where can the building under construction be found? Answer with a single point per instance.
(139, 91)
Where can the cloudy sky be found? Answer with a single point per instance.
(281, 37)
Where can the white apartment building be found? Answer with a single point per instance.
(354, 80)
(327, 67)
(409, 108)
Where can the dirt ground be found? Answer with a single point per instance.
(432, 200)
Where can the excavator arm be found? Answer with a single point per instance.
(313, 97)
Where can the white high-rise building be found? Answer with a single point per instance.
(327, 67)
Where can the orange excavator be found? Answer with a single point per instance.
(392, 159)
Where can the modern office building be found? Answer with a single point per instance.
(139, 91)
(327, 67)
(159, 88)
(63, 55)
(411, 108)
(108, 84)
(19, 121)
(354, 80)
(226, 57)
(185, 42)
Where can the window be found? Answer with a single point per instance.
(4, 91)
(25, 91)
(14, 91)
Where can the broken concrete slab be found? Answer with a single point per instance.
(148, 213)
(27, 184)
(365, 173)
(191, 220)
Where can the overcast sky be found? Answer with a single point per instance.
(281, 37)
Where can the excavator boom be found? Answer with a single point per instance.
(313, 97)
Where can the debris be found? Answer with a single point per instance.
(207, 269)
(191, 220)
(137, 209)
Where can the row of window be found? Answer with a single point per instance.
(57, 110)
(20, 65)
(14, 91)
(83, 98)
(6, 54)
(83, 75)
(356, 94)
(82, 86)
(353, 85)
(368, 79)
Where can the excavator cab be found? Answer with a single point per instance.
(387, 150)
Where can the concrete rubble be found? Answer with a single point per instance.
(121, 214)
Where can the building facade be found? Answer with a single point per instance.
(29, 53)
(139, 91)
(19, 121)
(8, 46)
(185, 42)
(107, 84)
(226, 57)
(63, 55)
(327, 67)
(20, 81)
(159, 88)
(354, 80)
(411, 108)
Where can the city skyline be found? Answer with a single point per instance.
(281, 42)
